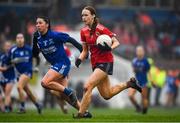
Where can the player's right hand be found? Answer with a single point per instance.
(78, 62)
(104, 47)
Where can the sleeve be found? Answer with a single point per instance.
(35, 49)
(75, 43)
(83, 39)
(62, 37)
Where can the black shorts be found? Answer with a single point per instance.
(106, 67)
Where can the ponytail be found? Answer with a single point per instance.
(93, 27)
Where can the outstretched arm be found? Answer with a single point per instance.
(75, 43)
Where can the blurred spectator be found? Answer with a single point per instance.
(79, 89)
(166, 44)
(145, 24)
(151, 46)
(159, 84)
(177, 83)
(171, 88)
(151, 77)
(49, 99)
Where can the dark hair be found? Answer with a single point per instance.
(46, 19)
(96, 21)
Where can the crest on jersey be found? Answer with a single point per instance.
(21, 53)
(97, 34)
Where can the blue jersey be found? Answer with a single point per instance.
(23, 58)
(8, 75)
(51, 46)
(170, 84)
(141, 68)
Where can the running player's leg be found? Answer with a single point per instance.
(94, 79)
(60, 98)
(144, 99)
(61, 95)
(131, 94)
(1, 101)
(107, 91)
(32, 98)
(20, 87)
(49, 81)
(7, 93)
(62, 104)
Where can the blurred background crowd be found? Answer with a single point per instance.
(155, 24)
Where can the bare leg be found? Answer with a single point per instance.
(1, 103)
(131, 94)
(30, 94)
(107, 91)
(8, 89)
(145, 99)
(64, 83)
(62, 105)
(49, 81)
(94, 79)
(23, 79)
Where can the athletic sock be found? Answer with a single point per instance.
(67, 91)
(37, 105)
(22, 105)
(144, 110)
(7, 108)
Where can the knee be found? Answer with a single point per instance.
(107, 97)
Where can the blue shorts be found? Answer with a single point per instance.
(171, 89)
(142, 84)
(61, 68)
(27, 72)
(7, 81)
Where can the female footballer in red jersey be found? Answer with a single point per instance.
(101, 60)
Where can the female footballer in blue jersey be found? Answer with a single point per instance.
(141, 67)
(50, 43)
(21, 56)
(8, 76)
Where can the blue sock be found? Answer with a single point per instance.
(7, 108)
(37, 104)
(23, 105)
(67, 91)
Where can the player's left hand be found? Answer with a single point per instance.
(104, 47)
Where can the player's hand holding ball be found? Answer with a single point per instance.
(104, 42)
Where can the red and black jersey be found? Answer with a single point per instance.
(97, 55)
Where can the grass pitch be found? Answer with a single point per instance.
(99, 115)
